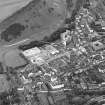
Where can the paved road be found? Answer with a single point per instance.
(8, 7)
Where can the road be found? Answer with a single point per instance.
(8, 7)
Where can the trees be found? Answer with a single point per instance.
(12, 32)
(1, 68)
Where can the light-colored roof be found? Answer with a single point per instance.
(32, 51)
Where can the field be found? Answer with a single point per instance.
(39, 18)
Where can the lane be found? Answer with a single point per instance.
(8, 7)
(11, 2)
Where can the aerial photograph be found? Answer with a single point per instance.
(52, 52)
